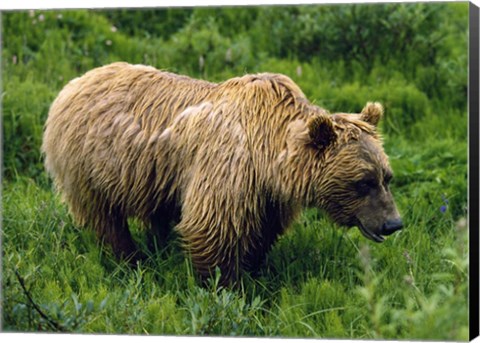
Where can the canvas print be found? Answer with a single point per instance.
(256, 171)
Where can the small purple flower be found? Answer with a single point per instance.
(443, 208)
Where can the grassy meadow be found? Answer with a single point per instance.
(319, 280)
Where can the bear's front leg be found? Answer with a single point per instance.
(209, 248)
(211, 240)
(112, 229)
(160, 223)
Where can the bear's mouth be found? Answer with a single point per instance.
(370, 235)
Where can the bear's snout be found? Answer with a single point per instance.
(391, 226)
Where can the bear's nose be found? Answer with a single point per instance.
(391, 226)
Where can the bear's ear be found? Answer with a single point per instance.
(321, 130)
(372, 113)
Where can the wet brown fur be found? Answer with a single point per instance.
(232, 162)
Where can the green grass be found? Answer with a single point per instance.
(319, 280)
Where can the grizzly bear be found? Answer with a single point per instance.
(232, 164)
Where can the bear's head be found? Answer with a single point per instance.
(345, 170)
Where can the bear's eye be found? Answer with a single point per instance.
(364, 186)
(387, 178)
